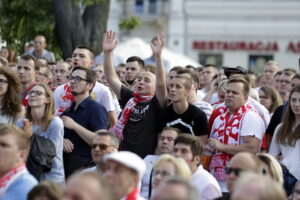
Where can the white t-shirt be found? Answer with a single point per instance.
(100, 94)
(290, 154)
(149, 160)
(206, 185)
(205, 107)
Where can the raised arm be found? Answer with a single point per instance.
(160, 87)
(109, 44)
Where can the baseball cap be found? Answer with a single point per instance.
(128, 159)
(234, 70)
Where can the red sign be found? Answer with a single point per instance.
(236, 46)
(293, 47)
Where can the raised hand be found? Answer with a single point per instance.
(158, 44)
(27, 127)
(109, 41)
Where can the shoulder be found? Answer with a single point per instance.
(99, 87)
(24, 183)
(56, 121)
(60, 88)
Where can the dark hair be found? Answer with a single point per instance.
(209, 65)
(286, 134)
(274, 95)
(11, 104)
(51, 190)
(114, 139)
(196, 145)
(278, 73)
(90, 74)
(92, 53)
(22, 139)
(296, 76)
(192, 74)
(137, 59)
(27, 57)
(176, 68)
(240, 78)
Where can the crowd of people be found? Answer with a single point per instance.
(97, 128)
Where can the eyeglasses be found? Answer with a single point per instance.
(284, 81)
(101, 146)
(236, 171)
(42, 74)
(2, 81)
(77, 79)
(170, 139)
(35, 92)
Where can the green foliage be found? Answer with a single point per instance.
(22, 20)
(130, 23)
(89, 2)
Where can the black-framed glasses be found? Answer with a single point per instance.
(43, 74)
(101, 146)
(35, 92)
(77, 79)
(2, 81)
(236, 171)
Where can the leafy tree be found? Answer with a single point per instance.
(65, 23)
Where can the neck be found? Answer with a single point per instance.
(25, 86)
(181, 106)
(231, 111)
(193, 168)
(297, 120)
(37, 114)
(80, 98)
(38, 52)
(193, 97)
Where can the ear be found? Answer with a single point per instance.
(23, 155)
(47, 100)
(197, 160)
(91, 63)
(90, 85)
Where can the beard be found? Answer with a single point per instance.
(75, 93)
(130, 82)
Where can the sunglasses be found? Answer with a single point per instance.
(101, 146)
(236, 171)
(35, 92)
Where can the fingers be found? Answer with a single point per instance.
(68, 146)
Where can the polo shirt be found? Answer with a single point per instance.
(92, 116)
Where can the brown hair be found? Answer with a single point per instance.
(49, 109)
(286, 134)
(11, 102)
(51, 190)
(274, 95)
(22, 139)
(240, 78)
(91, 51)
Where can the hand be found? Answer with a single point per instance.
(27, 127)
(68, 122)
(158, 45)
(68, 146)
(109, 41)
(214, 144)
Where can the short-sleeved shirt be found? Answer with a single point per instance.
(140, 131)
(92, 116)
(193, 120)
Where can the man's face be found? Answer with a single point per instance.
(82, 57)
(166, 141)
(145, 84)
(270, 71)
(10, 155)
(82, 188)
(80, 86)
(177, 90)
(170, 191)
(170, 76)
(121, 71)
(208, 73)
(25, 71)
(42, 77)
(234, 96)
(99, 73)
(132, 71)
(39, 43)
(121, 176)
(284, 83)
(61, 71)
(184, 151)
(101, 146)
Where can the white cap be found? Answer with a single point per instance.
(128, 159)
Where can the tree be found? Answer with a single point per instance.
(65, 23)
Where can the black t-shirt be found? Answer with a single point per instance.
(193, 120)
(275, 120)
(140, 131)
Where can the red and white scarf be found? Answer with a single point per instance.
(67, 100)
(227, 133)
(119, 127)
(10, 177)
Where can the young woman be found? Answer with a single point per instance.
(40, 114)
(10, 105)
(269, 98)
(285, 143)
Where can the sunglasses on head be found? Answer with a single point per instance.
(101, 146)
(236, 171)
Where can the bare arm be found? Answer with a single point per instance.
(251, 144)
(160, 87)
(112, 118)
(109, 44)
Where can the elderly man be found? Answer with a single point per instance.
(233, 131)
(15, 180)
(124, 170)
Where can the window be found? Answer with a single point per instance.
(257, 62)
(152, 6)
(214, 59)
(139, 6)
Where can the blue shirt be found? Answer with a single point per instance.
(92, 116)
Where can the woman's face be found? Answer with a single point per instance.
(295, 103)
(265, 100)
(4, 53)
(37, 97)
(3, 85)
(162, 171)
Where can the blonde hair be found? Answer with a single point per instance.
(273, 165)
(182, 169)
